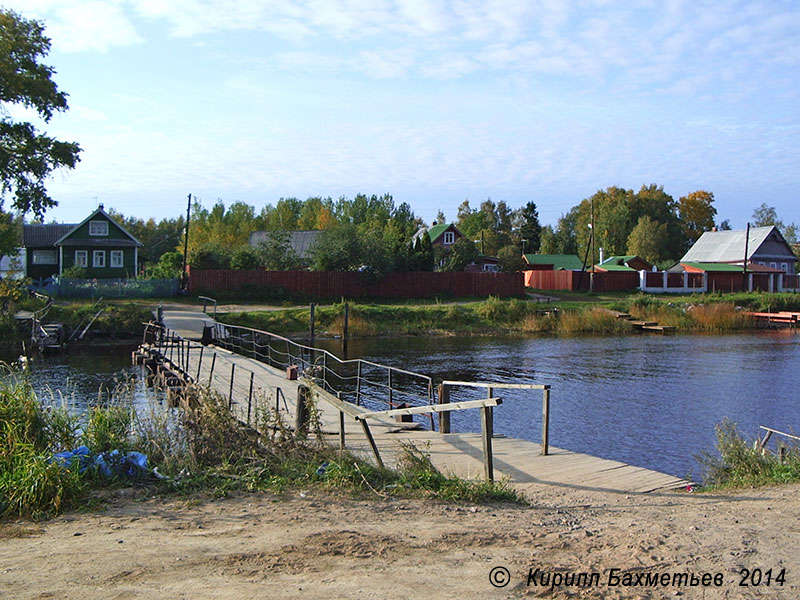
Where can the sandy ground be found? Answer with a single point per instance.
(313, 545)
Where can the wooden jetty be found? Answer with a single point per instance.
(644, 325)
(256, 371)
(776, 319)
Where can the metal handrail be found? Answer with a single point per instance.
(208, 299)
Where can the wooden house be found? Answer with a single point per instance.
(98, 244)
(764, 246)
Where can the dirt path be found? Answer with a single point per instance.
(310, 545)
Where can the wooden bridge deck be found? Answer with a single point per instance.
(460, 454)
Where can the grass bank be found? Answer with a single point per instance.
(198, 449)
(501, 316)
(738, 463)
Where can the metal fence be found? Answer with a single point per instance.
(359, 381)
(116, 288)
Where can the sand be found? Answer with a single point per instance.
(310, 544)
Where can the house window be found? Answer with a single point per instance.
(116, 258)
(45, 257)
(773, 265)
(82, 258)
(99, 258)
(491, 268)
(785, 267)
(98, 227)
(449, 238)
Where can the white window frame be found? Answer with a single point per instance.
(449, 238)
(44, 257)
(491, 268)
(785, 267)
(98, 228)
(774, 265)
(98, 259)
(82, 258)
(117, 259)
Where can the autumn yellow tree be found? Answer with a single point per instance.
(696, 212)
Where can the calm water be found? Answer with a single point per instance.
(649, 400)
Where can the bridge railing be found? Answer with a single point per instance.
(358, 381)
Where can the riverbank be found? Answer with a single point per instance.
(309, 544)
(501, 317)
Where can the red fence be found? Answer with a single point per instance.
(334, 284)
(573, 280)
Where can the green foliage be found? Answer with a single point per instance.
(74, 272)
(510, 259)
(739, 463)
(27, 158)
(211, 256)
(277, 254)
(108, 428)
(169, 266)
(649, 240)
(246, 258)
(463, 252)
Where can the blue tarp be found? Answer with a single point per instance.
(108, 464)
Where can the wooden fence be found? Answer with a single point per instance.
(332, 284)
(575, 280)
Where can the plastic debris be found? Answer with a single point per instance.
(107, 464)
(322, 468)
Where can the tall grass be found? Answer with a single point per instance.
(739, 463)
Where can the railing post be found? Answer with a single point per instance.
(545, 420)
(341, 424)
(391, 395)
(211, 373)
(444, 417)
(487, 429)
(358, 384)
(250, 397)
(200, 362)
(230, 394)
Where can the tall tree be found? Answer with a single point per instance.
(649, 240)
(764, 216)
(27, 157)
(527, 228)
(697, 213)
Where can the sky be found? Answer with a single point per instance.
(432, 101)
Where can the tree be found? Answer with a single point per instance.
(27, 157)
(528, 228)
(440, 218)
(510, 259)
(276, 252)
(649, 240)
(764, 216)
(464, 252)
(697, 214)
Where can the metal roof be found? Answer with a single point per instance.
(559, 261)
(300, 241)
(41, 236)
(728, 246)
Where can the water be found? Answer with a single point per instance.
(85, 377)
(648, 400)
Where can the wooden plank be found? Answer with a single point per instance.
(506, 386)
(487, 429)
(431, 408)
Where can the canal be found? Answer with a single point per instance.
(648, 400)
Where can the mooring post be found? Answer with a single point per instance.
(545, 420)
(250, 397)
(487, 429)
(301, 418)
(230, 394)
(345, 331)
(391, 397)
(311, 309)
(444, 417)
(341, 424)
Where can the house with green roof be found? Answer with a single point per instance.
(553, 262)
(443, 235)
(98, 244)
(624, 263)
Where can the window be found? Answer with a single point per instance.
(116, 258)
(773, 265)
(785, 267)
(45, 257)
(491, 268)
(98, 227)
(99, 258)
(81, 258)
(449, 238)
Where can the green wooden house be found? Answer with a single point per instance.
(98, 244)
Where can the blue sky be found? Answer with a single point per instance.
(432, 101)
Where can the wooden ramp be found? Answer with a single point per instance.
(252, 387)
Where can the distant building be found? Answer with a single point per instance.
(765, 246)
(97, 244)
(553, 262)
(624, 263)
(443, 235)
(301, 242)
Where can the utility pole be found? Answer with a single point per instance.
(184, 277)
(744, 271)
(591, 273)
